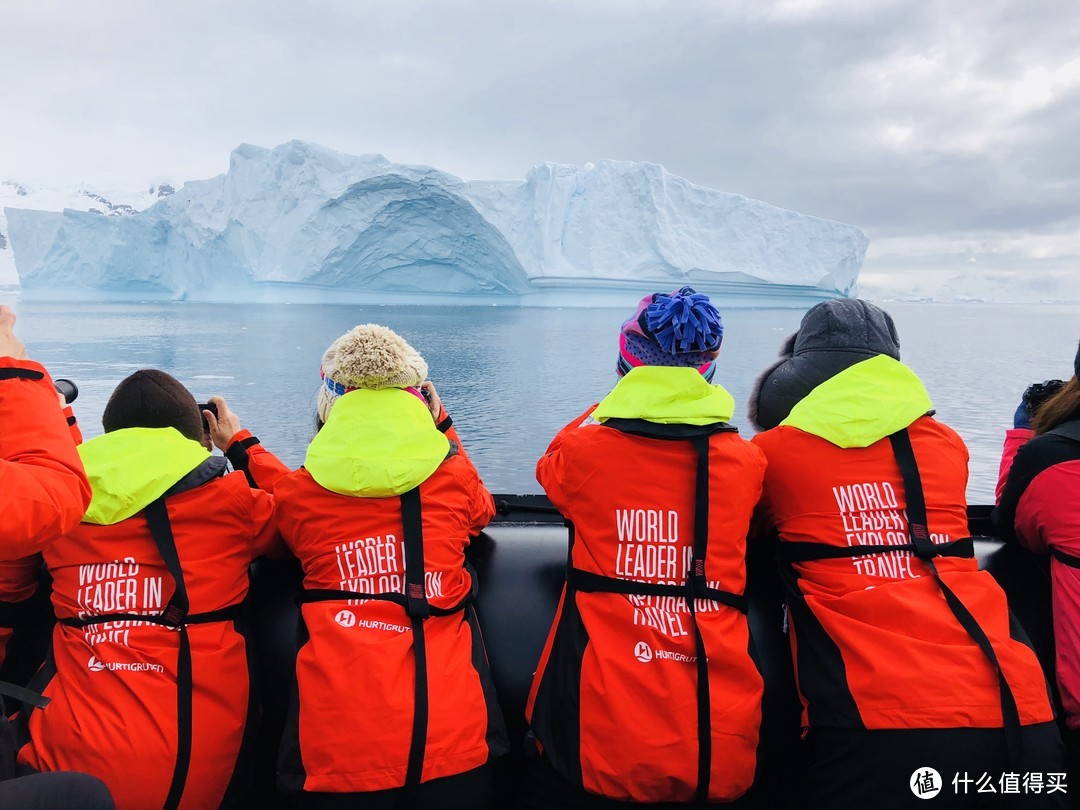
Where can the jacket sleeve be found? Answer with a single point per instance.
(1019, 494)
(262, 468)
(762, 522)
(258, 508)
(1015, 438)
(551, 468)
(483, 507)
(19, 578)
(43, 488)
(73, 425)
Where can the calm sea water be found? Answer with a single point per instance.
(512, 377)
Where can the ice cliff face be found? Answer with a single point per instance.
(104, 203)
(302, 220)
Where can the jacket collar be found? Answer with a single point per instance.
(375, 444)
(862, 404)
(666, 395)
(130, 468)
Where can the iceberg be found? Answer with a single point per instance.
(106, 203)
(301, 222)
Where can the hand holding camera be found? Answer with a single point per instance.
(431, 396)
(220, 423)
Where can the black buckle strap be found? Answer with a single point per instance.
(28, 697)
(798, 552)
(157, 518)
(698, 582)
(588, 582)
(416, 604)
(334, 595)
(920, 536)
(165, 619)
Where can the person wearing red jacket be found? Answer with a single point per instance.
(1038, 507)
(914, 681)
(148, 675)
(394, 704)
(19, 578)
(41, 477)
(43, 493)
(646, 691)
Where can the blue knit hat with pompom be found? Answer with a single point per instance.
(681, 328)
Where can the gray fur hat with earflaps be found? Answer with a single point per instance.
(832, 336)
(368, 356)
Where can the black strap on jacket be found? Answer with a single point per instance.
(1065, 557)
(925, 549)
(919, 533)
(29, 697)
(414, 601)
(11, 373)
(696, 586)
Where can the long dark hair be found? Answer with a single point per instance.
(1061, 407)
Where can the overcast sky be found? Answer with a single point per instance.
(948, 130)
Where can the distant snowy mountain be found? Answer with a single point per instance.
(15, 194)
(302, 222)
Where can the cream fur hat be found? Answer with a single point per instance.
(369, 356)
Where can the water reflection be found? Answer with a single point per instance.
(512, 377)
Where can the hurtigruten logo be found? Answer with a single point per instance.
(95, 664)
(644, 653)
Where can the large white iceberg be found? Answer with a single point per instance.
(302, 222)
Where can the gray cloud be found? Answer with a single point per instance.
(920, 121)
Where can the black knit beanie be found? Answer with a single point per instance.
(153, 399)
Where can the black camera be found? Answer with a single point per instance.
(1037, 393)
(67, 389)
(207, 406)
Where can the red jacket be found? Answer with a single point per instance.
(114, 684)
(356, 722)
(1039, 507)
(42, 483)
(875, 643)
(19, 578)
(615, 700)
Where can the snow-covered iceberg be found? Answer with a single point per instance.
(302, 222)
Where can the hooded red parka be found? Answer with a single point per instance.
(392, 679)
(642, 693)
(875, 644)
(148, 676)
